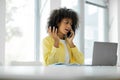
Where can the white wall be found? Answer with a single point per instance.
(2, 31)
(114, 23)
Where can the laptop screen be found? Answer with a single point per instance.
(104, 54)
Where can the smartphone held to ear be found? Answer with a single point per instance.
(69, 34)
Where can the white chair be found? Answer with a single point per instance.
(17, 63)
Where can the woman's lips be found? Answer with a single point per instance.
(67, 30)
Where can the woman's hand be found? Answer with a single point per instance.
(53, 34)
(70, 39)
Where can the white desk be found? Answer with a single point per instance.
(59, 72)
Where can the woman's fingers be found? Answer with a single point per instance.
(49, 29)
(56, 31)
(52, 32)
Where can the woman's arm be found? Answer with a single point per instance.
(77, 56)
(51, 54)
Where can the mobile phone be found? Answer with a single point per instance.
(69, 34)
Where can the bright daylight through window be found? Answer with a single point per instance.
(19, 31)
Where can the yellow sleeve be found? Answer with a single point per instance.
(50, 53)
(77, 56)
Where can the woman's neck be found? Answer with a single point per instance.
(61, 36)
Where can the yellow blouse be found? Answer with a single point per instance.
(53, 55)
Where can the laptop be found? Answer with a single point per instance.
(104, 54)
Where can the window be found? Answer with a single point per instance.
(19, 44)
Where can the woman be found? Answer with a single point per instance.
(58, 47)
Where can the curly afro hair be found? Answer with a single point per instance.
(58, 14)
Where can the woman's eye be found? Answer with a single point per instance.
(67, 22)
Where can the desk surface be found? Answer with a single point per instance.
(60, 72)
